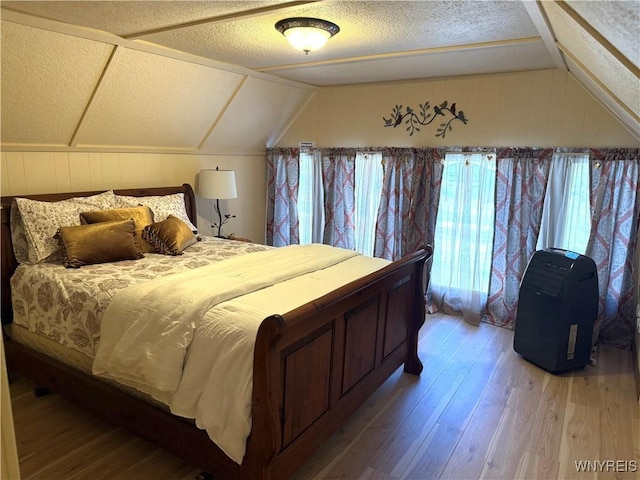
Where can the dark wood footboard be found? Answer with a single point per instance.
(314, 366)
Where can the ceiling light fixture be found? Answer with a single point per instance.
(307, 34)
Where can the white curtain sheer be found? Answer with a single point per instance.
(368, 188)
(464, 235)
(311, 198)
(566, 218)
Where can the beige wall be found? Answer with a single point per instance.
(45, 172)
(539, 108)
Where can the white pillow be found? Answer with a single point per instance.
(161, 205)
(41, 220)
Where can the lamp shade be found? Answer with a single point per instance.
(217, 184)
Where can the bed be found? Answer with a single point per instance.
(312, 366)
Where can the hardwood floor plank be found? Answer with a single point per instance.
(431, 459)
(471, 349)
(406, 441)
(546, 435)
(468, 458)
(513, 437)
(459, 410)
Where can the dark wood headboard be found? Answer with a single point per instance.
(9, 262)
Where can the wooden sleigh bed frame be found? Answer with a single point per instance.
(313, 367)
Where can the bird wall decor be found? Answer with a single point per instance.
(425, 115)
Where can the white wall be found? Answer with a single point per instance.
(538, 108)
(48, 172)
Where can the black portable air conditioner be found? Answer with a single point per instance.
(557, 308)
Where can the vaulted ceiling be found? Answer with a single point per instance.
(209, 76)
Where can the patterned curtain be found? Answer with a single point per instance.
(282, 196)
(615, 210)
(521, 181)
(338, 173)
(409, 202)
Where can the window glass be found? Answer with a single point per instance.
(465, 223)
(368, 189)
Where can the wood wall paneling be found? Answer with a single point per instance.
(49, 172)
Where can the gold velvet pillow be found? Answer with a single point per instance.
(99, 243)
(170, 237)
(142, 216)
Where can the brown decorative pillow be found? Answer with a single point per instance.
(142, 216)
(99, 243)
(170, 237)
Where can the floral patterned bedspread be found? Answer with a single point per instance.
(67, 305)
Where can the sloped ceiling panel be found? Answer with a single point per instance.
(502, 58)
(592, 54)
(151, 100)
(602, 95)
(259, 113)
(47, 80)
(615, 20)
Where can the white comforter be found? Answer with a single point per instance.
(187, 339)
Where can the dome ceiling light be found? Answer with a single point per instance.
(307, 34)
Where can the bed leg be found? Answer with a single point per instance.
(41, 391)
(412, 364)
(205, 476)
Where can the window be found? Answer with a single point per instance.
(566, 218)
(464, 232)
(310, 198)
(368, 189)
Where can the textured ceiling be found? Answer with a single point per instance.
(243, 33)
(99, 65)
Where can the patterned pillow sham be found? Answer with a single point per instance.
(161, 205)
(40, 222)
(169, 237)
(19, 238)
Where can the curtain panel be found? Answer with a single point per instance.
(338, 176)
(282, 196)
(521, 182)
(615, 212)
(409, 201)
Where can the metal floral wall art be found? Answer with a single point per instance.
(425, 115)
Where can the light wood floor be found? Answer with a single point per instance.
(477, 411)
